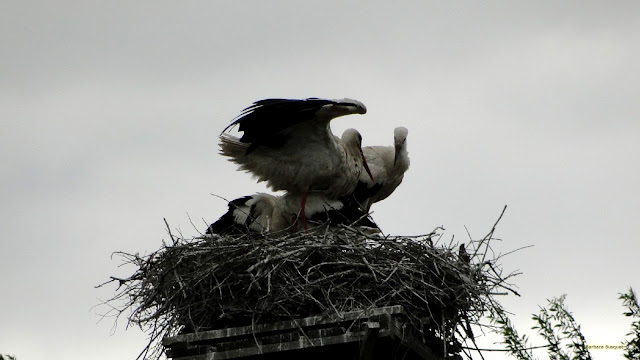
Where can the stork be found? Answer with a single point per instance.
(388, 165)
(263, 213)
(238, 219)
(288, 143)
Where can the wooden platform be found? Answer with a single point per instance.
(374, 334)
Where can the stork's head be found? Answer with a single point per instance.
(353, 140)
(355, 106)
(341, 107)
(400, 142)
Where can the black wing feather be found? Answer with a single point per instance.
(264, 121)
(227, 224)
(362, 192)
(349, 214)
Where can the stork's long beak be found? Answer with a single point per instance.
(397, 154)
(366, 166)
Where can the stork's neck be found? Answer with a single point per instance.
(402, 163)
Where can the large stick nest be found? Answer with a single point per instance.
(214, 282)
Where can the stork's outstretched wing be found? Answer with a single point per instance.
(272, 122)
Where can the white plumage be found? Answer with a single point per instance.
(388, 165)
(289, 144)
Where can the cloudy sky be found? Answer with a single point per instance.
(110, 112)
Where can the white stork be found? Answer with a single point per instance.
(388, 165)
(262, 213)
(289, 144)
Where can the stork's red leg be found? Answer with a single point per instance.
(302, 213)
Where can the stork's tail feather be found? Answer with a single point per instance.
(232, 146)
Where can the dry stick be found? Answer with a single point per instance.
(169, 230)
(489, 236)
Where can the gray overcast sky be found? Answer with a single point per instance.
(110, 113)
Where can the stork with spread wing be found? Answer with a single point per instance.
(289, 144)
